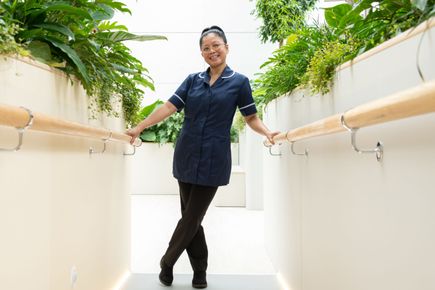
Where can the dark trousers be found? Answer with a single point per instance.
(189, 234)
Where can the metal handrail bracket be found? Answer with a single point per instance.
(20, 131)
(378, 150)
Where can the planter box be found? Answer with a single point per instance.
(60, 208)
(339, 220)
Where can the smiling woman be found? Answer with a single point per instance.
(202, 156)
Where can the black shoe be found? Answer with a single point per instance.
(199, 280)
(166, 276)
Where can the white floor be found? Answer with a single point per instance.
(215, 282)
(234, 237)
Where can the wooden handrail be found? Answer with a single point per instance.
(19, 117)
(416, 101)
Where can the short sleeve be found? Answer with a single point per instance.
(245, 101)
(178, 99)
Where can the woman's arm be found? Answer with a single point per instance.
(258, 126)
(157, 116)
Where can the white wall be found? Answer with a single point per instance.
(169, 62)
(59, 206)
(338, 220)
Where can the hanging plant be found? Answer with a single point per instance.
(78, 38)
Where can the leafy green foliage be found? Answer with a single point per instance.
(77, 37)
(382, 21)
(321, 70)
(289, 63)
(313, 53)
(164, 132)
(281, 17)
(8, 30)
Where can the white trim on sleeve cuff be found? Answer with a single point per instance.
(252, 104)
(180, 98)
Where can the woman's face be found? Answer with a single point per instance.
(214, 50)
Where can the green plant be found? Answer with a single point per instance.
(234, 135)
(239, 122)
(321, 69)
(164, 132)
(281, 17)
(313, 53)
(382, 21)
(8, 30)
(289, 63)
(76, 36)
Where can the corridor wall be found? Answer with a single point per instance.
(62, 211)
(338, 220)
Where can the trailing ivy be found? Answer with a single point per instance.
(76, 36)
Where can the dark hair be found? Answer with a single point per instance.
(213, 29)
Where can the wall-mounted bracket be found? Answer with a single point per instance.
(295, 153)
(20, 131)
(292, 147)
(105, 140)
(132, 153)
(378, 150)
(269, 146)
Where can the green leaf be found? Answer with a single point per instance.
(118, 36)
(72, 55)
(363, 5)
(57, 28)
(40, 50)
(106, 12)
(123, 69)
(144, 82)
(116, 5)
(59, 6)
(35, 11)
(334, 14)
(420, 4)
(146, 111)
(148, 136)
(106, 25)
(31, 34)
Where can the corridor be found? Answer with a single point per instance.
(237, 256)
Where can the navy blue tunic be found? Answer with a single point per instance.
(203, 149)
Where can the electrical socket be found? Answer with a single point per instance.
(74, 276)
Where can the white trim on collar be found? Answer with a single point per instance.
(230, 75)
(200, 75)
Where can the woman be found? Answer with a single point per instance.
(202, 158)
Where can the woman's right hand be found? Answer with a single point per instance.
(134, 133)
